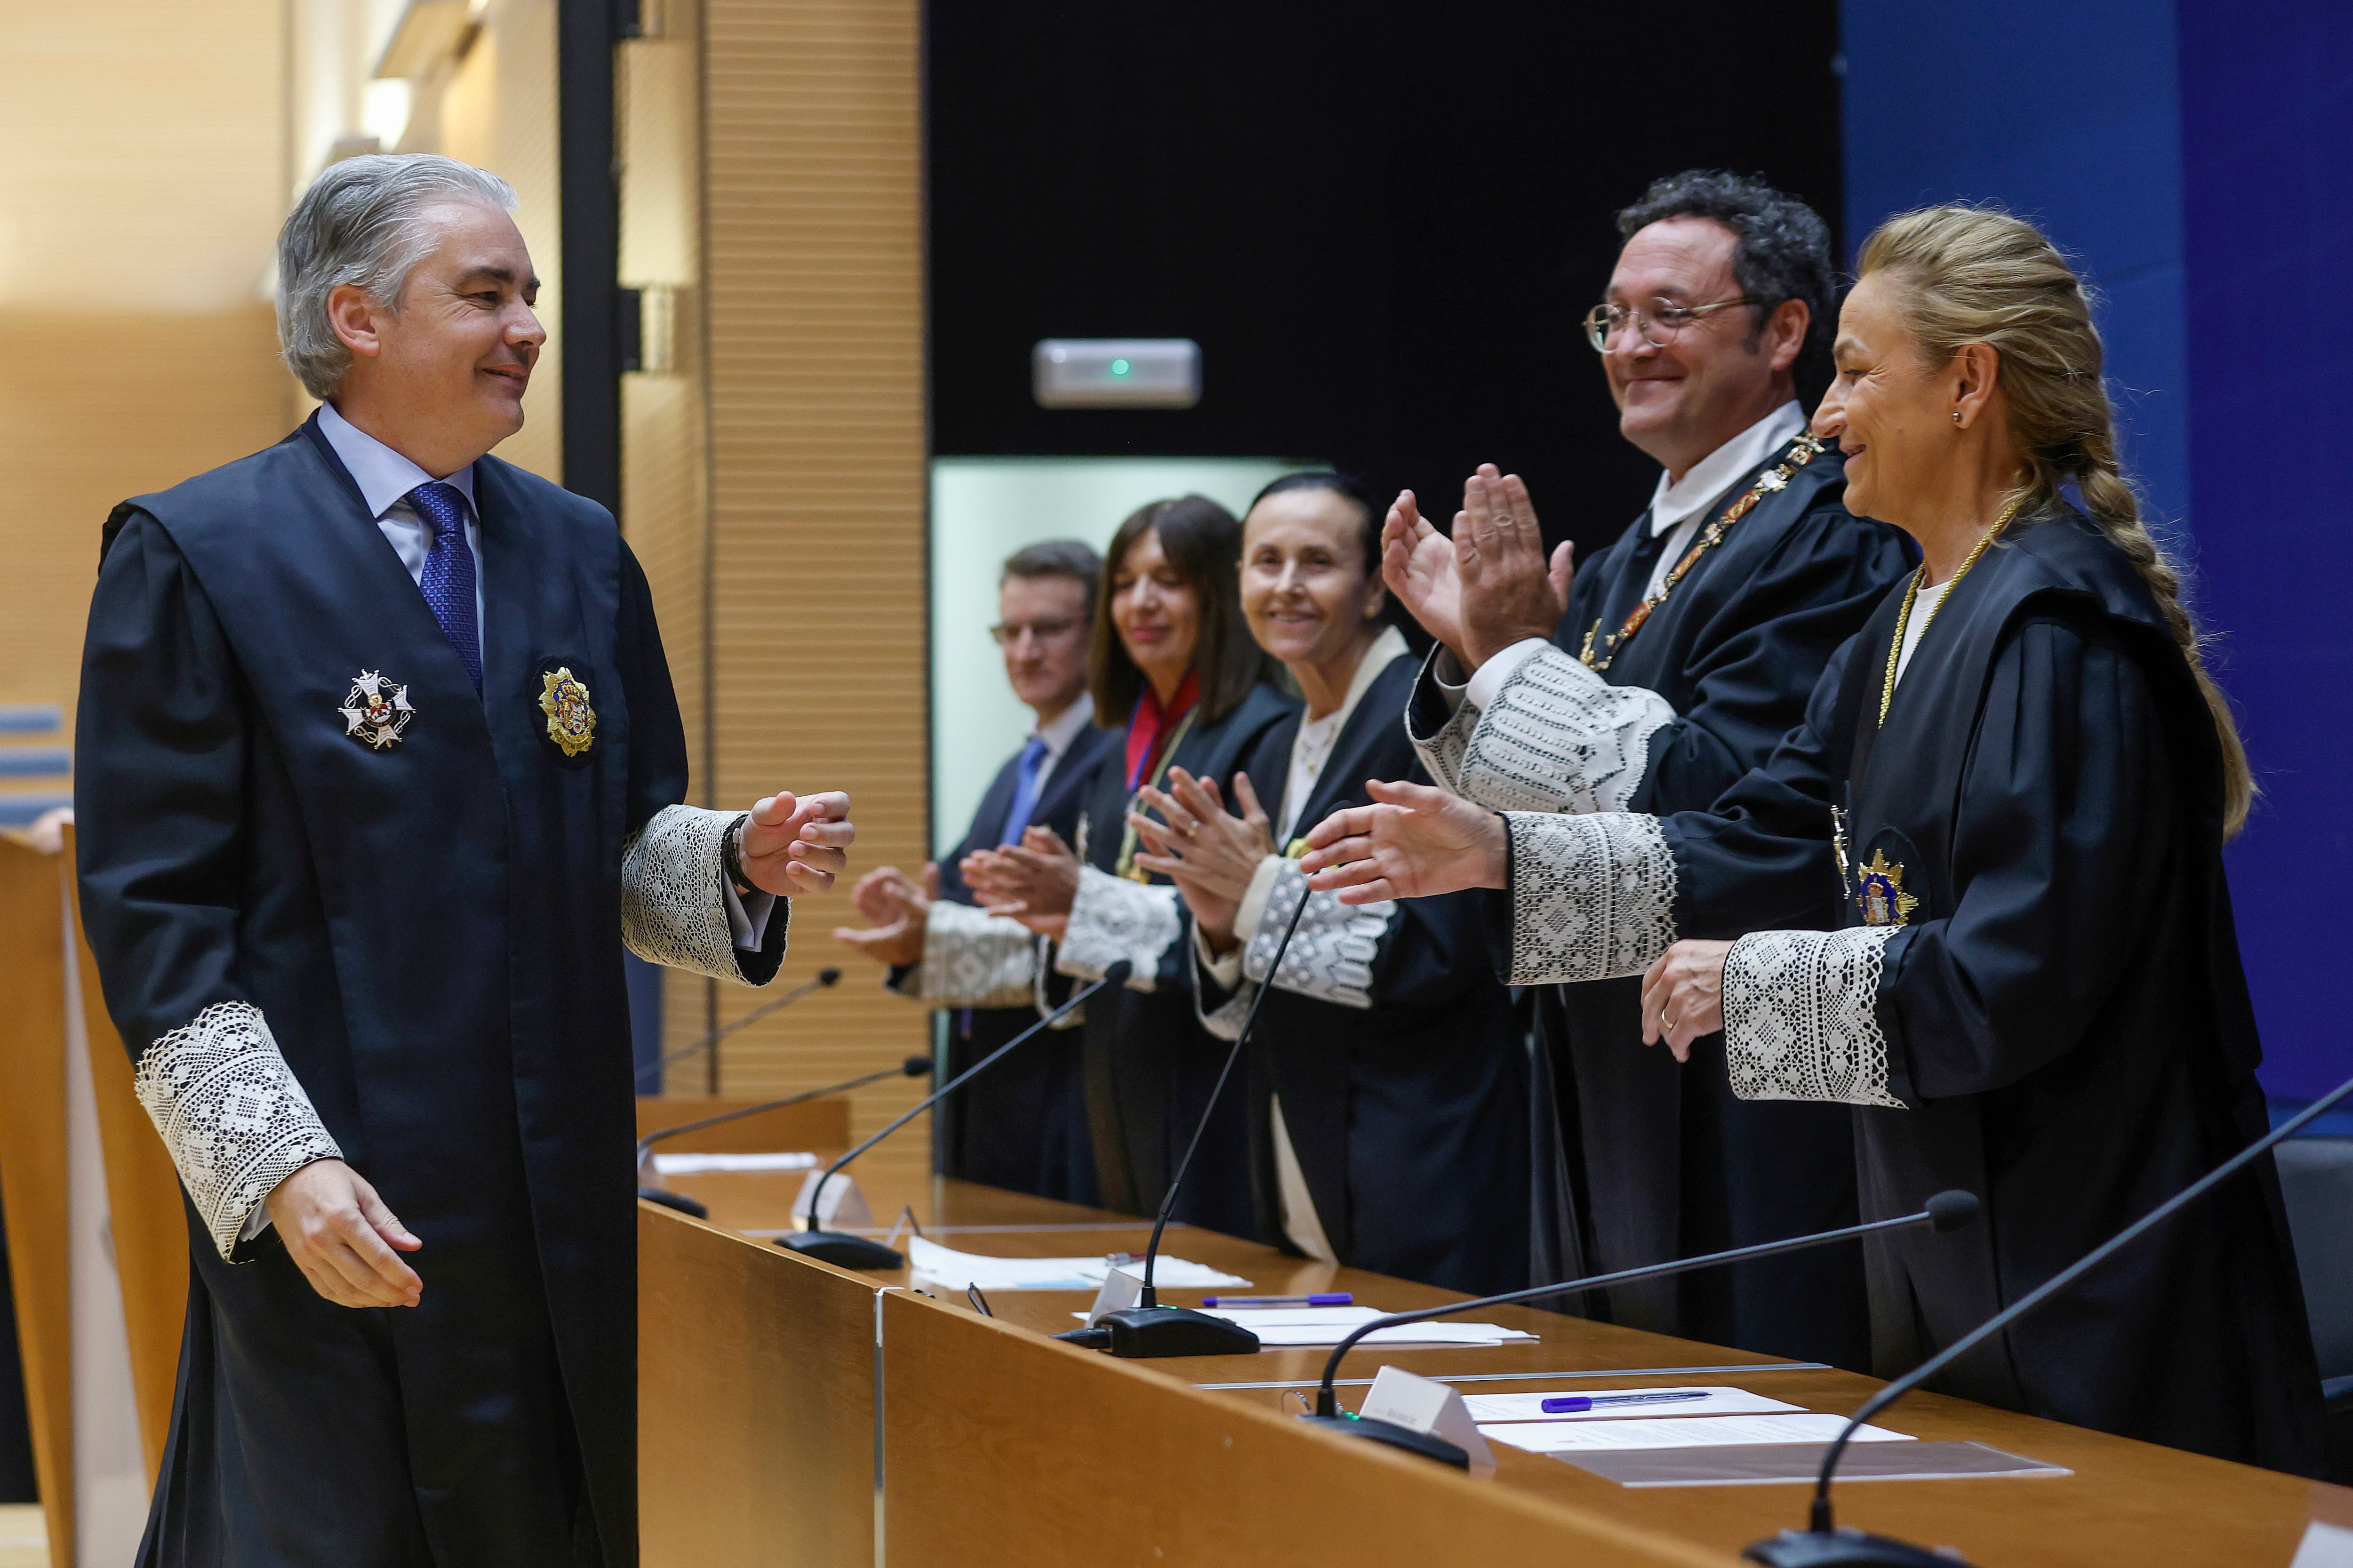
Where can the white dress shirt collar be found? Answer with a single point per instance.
(384, 476)
(1063, 728)
(1673, 504)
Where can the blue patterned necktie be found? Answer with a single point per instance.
(448, 579)
(1025, 790)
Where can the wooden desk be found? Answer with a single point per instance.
(999, 1446)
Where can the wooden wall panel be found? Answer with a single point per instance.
(813, 223)
(33, 1165)
(144, 1210)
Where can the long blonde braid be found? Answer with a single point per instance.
(1978, 275)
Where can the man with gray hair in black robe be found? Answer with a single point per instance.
(379, 768)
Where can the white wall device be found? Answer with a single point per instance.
(1116, 373)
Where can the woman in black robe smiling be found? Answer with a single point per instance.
(2023, 776)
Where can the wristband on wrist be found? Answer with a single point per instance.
(731, 855)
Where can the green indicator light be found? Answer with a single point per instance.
(1119, 367)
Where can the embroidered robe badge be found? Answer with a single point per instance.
(376, 710)
(571, 721)
(1879, 892)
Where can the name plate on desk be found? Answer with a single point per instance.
(1433, 1408)
(842, 1207)
(1120, 1288)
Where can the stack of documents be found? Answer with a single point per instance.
(947, 1268)
(1276, 1326)
(695, 1165)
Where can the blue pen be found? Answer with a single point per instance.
(1329, 1299)
(1572, 1404)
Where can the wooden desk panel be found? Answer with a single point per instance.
(756, 1401)
(811, 1125)
(2127, 1503)
(1076, 1459)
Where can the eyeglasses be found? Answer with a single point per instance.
(1046, 629)
(1658, 320)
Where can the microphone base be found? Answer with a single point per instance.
(1423, 1443)
(671, 1200)
(841, 1251)
(1845, 1549)
(1145, 1333)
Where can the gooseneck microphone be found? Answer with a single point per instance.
(825, 977)
(858, 1251)
(1149, 1328)
(1822, 1545)
(1944, 1212)
(914, 1067)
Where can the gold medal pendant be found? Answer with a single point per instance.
(571, 720)
(376, 710)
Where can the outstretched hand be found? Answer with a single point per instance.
(794, 845)
(341, 1236)
(1509, 591)
(1418, 564)
(1413, 842)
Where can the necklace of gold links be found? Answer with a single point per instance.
(1911, 592)
(1775, 478)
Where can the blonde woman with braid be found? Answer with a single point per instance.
(2023, 776)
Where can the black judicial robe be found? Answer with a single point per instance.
(2065, 1016)
(1150, 1065)
(1409, 1118)
(1022, 1125)
(432, 933)
(1663, 1162)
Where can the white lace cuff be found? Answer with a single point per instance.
(974, 959)
(1801, 1015)
(1559, 738)
(672, 911)
(1593, 897)
(1209, 975)
(1331, 954)
(1440, 750)
(236, 1121)
(1113, 919)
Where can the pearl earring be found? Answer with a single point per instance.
(1957, 417)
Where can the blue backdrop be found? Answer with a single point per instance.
(2196, 157)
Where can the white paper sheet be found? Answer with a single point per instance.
(1702, 1432)
(695, 1165)
(936, 1265)
(1530, 1406)
(1330, 1325)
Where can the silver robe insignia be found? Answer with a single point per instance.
(571, 721)
(376, 710)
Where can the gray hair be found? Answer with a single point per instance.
(358, 224)
(1072, 558)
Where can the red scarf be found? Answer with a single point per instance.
(1149, 726)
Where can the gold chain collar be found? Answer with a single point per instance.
(1911, 592)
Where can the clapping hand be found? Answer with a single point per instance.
(1034, 882)
(1418, 564)
(1413, 842)
(1509, 591)
(792, 845)
(1211, 854)
(899, 907)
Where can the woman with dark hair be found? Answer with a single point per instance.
(1173, 664)
(2022, 777)
(1388, 1068)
